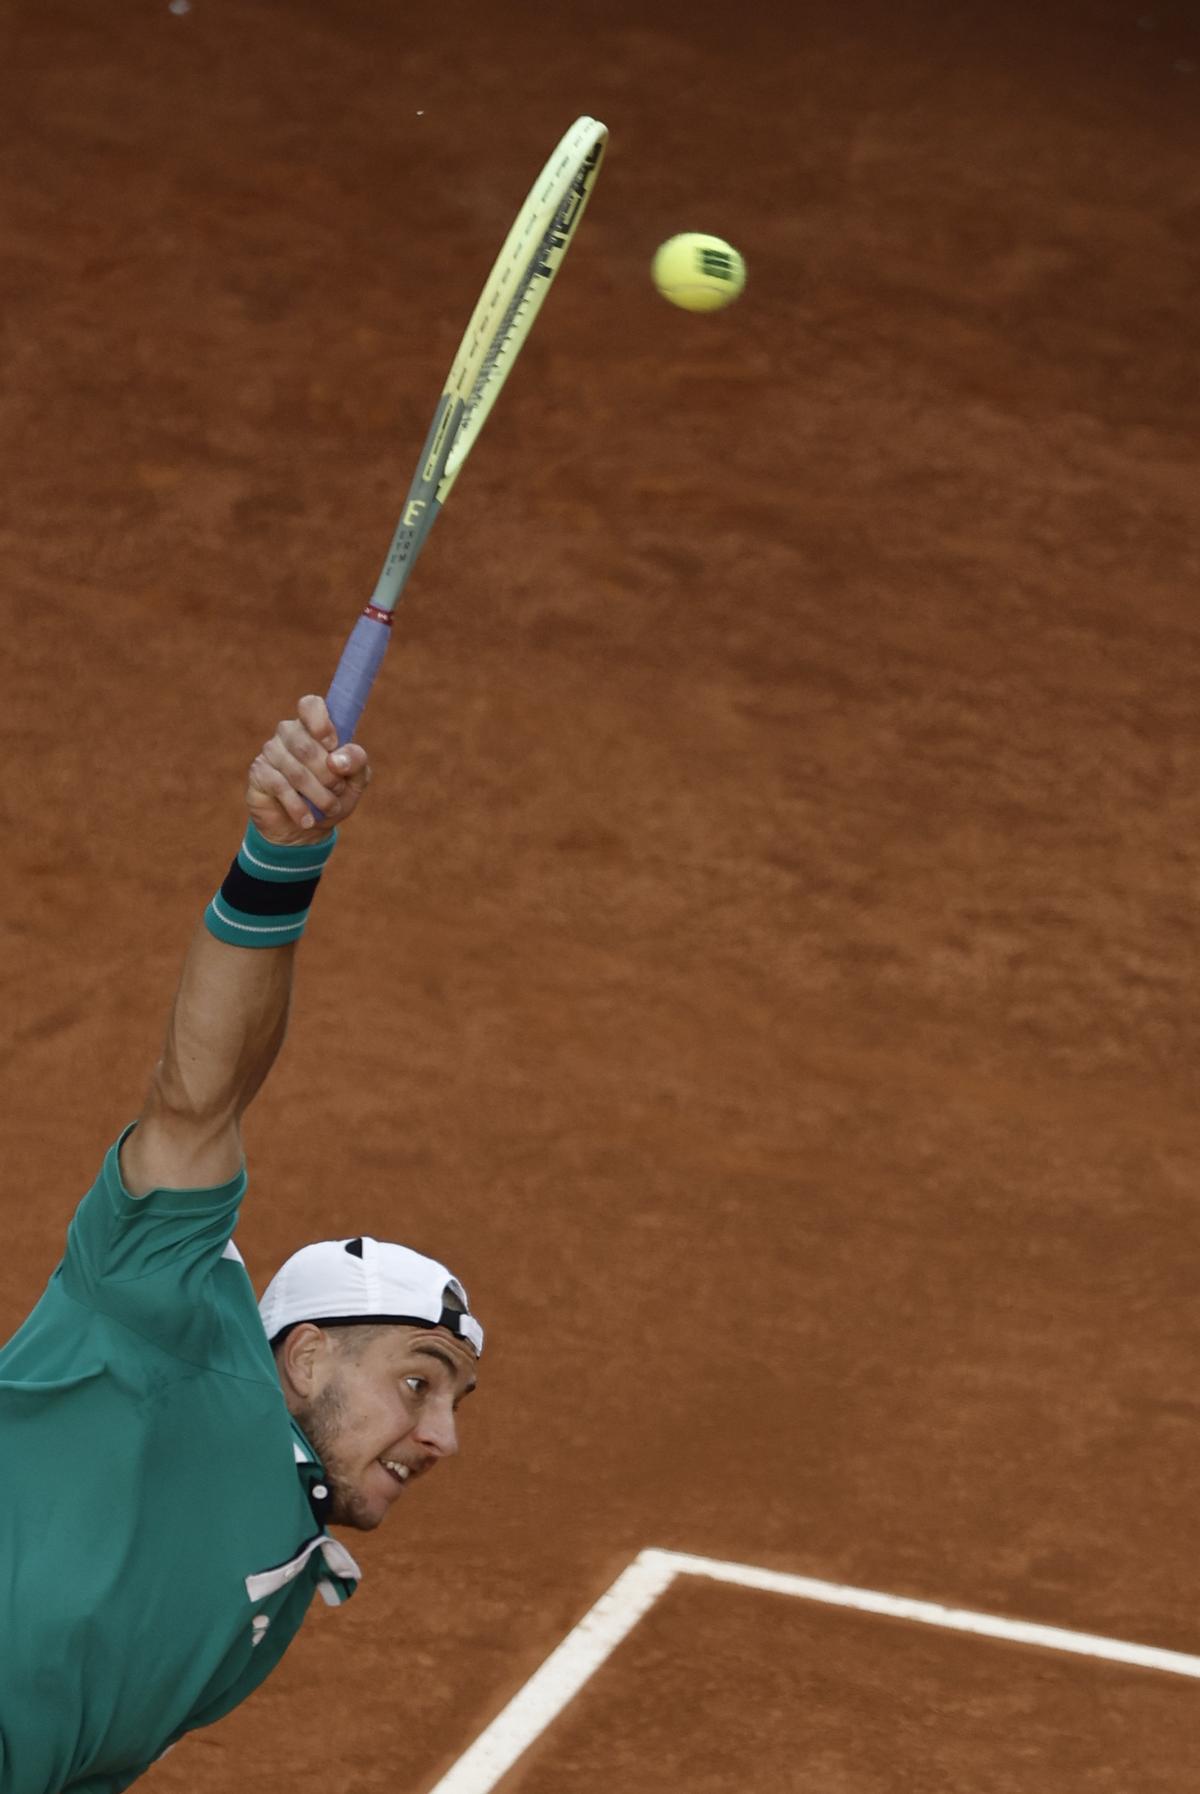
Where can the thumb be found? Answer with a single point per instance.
(351, 763)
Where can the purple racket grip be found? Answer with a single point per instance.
(361, 659)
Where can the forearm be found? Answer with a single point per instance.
(226, 1028)
(230, 1011)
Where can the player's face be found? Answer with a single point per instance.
(386, 1416)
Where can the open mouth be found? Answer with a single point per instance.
(399, 1473)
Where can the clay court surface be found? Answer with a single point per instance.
(767, 967)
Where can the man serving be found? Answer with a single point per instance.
(173, 1452)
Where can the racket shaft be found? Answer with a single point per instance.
(361, 659)
(367, 644)
(406, 546)
(420, 506)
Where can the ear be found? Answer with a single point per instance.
(303, 1361)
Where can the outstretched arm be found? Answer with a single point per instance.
(230, 1011)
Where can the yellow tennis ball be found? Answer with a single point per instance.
(698, 272)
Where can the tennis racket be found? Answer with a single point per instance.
(510, 301)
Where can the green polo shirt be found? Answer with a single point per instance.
(160, 1513)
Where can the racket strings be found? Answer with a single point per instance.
(540, 266)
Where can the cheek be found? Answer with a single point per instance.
(383, 1419)
(402, 1418)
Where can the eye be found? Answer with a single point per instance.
(418, 1385)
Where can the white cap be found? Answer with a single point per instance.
(364, 1280)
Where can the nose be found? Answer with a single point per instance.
(437, 1430)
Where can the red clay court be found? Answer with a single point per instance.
(767, 966)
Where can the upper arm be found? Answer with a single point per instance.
(166, 1151)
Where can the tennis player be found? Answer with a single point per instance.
(173, 1452)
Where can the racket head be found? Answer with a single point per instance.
(516, 288)
(510, 300)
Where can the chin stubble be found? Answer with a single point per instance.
(322, 1420)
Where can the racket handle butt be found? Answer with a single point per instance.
(361, 659)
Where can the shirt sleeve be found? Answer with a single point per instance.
(149, 1261)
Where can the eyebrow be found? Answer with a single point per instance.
(431, 1351)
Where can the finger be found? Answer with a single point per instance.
(315, 716)
(301, 778)
(267, 781)
(301, 745)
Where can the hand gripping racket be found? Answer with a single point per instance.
(511, 298)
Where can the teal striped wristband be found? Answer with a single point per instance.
(264, 899)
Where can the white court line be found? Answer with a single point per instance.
(930, 1613)
(562, 1675)
(652, 1572)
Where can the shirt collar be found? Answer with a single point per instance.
(311, 1472)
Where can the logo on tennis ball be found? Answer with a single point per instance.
(698, 272)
